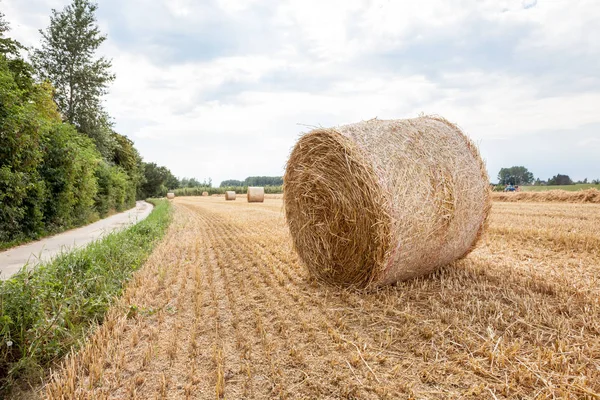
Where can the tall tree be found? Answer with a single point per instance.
(10, 50)
(560, 180)
(67, 58)
(517, 175)
(3, 24)
(157, 180)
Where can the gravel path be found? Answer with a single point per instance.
(12, 260)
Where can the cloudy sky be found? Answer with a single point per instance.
(223, 88)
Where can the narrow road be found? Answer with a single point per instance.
(12, 260)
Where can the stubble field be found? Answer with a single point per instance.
(224, 309)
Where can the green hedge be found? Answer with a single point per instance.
(48, 310)
(52, 178)
(115, 190)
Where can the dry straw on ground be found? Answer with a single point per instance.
(204, 194)
(209, 315)
(256, 194)
(551, 196)
(170, 195)
(230, 195)
(380, 201)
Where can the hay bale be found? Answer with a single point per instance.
(256, 194)
(230, 195)
(170, 195)
(204, 194)
(376, 202)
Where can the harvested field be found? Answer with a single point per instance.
(224, 309)
(551, 196)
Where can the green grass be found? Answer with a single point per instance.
(571, 188)
(47, 311)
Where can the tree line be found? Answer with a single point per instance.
(519, 175)
(62, 164)
(254, 181)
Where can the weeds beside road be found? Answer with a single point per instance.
(48, 310)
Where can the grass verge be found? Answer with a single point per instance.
(570, 188)
(47, 311)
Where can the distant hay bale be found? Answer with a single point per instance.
(256, 194)
(170, 195)
(230, 195)
(204, 194)
(379, 201)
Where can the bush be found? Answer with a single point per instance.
(21, 189)
(70, 160)
(114, 192)
(52, 177)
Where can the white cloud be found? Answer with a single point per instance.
(201, 86)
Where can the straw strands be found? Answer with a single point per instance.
(380, 201)
(223, 306)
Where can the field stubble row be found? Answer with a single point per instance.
(224, 309)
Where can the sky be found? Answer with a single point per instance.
(222, 89)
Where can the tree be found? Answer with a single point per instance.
(193, 182)
(171, 181)
(255, 181)
(68, 170)
(21, 71)
(515, 176)
(127, 157)
(231, 182)
(5, 43)
(67, 59)
(157, 180)
(560, 180)
(263, 181)
(21, 189)
(3, 24)
(97, 126)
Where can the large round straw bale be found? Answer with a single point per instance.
(170, 195)
(256, 194)
(380, 201)
(204, 194)
(229, 195)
